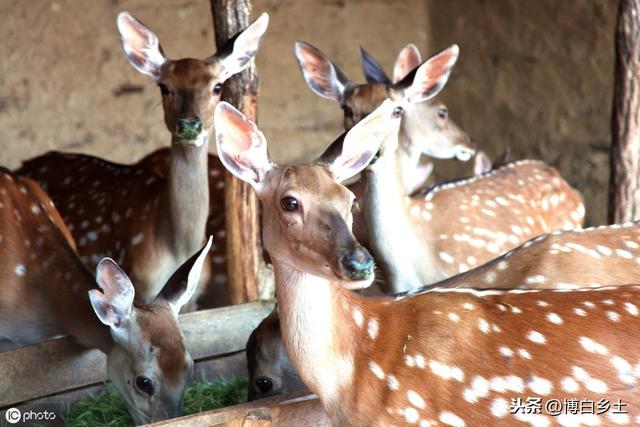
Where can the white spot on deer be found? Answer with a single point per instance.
(393, 383)
(484, 327)
(603, 250)
(613, 316)
(411, 415)
(541, 303)
(446, 371)
(631, 308)
(554, 318)
(84, 224)
(607, 301)
(463, 268)
(631, 244)
(625, 371)
(453, 317)
(446, 257)
(580, 312)
(468, 306)
(532, 280)
(479, 388)
(218, 259)
(493, 248)
(490, 277)
(92, 235)
(21, 270)
(624, 254)
(506, 351)
(426, 215)
(524, 354)
(535, 420)
(540, 385)
(220, 279)
(569, 385)
(358, 317)
(488, 212)
(536, 337)
(376, 369)
(137, 239)
(451, 419)
(620, 418)
(499, 407)
(409, 361)
(372, 329)
(415, 211)
(589, 304)
(464, 219)
(502, 265)
(502, 201)
(415, 399)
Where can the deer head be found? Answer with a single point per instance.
(426, 126)
(148, 364)
(190, 87)
(298, 226)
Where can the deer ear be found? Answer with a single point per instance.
(352, 152)
(141, 45)
(408, 59)
(431, 76)
(114, 304)
(322, 76)
(482, 163)
(242, 148)
(373, 71)
(184, 282)
(245, 47)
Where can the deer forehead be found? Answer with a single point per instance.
(313, 179)
(187, 73)
(160, 330)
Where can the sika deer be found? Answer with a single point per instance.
(151, 223)
(386, 361)
(426, 127)
(47, 291)
(270, 370)
(462, 224)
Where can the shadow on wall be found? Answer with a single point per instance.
(536, 75)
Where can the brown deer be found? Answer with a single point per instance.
(426, 127)
(270, 370)
(151, 223)
(444, 357)
(47, 291)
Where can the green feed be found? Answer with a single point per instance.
(108, 409)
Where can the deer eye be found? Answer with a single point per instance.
(347, 110)
(144, 384)
(290, 204)
(397, 112)
(217, 88)
(355, 207)
(443, 113)
(163, 88)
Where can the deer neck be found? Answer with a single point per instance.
(187, 199)
(66, 283)
(318, 330)
(408, 160)
(398, 244)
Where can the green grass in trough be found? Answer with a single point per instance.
(107, 409)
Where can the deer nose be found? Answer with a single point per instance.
(189, 128)
(264, 384)
(357, 264)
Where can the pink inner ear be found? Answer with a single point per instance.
(408, 59)
(314, 64)
(237, 133)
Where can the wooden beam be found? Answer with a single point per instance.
(242, 222)
(208, 333)
(292, 410)
(624, 193)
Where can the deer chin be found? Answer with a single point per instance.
(198, 141)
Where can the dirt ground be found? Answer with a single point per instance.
(535, 75)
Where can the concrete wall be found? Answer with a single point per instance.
(534, 74)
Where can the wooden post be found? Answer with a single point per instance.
(244, 243)
(624, 194)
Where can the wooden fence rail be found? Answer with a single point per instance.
(53, 368)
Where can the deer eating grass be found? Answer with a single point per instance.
(47, 291)
(151, 223)
(445, 357)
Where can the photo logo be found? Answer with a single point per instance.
(13, 415)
